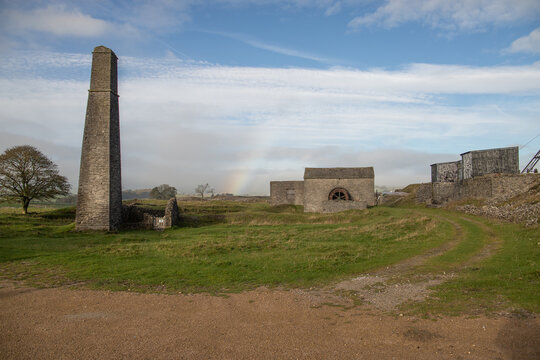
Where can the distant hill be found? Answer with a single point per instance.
(136, 194)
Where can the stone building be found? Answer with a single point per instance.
(490, 161)
(445, 172)
(478, 174)
(287, 192)
(337, 189)
(99, 202)
(477, 163)
(327, 190)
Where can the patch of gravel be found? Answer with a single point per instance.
(384, 295)
(60, 323)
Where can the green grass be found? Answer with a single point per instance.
(253, 245)
(510, 279)
(227, 246)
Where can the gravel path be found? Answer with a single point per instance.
(59, 323)
(389, 287)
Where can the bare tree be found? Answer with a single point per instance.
(201, 189)
(27, 174)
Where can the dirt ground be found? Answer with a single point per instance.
(60, 323)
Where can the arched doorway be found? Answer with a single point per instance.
(339, 194)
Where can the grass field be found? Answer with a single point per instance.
(231, 246)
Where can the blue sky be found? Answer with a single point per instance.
(240, 92)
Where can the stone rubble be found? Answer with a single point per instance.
(527, 214)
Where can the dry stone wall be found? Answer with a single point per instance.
(135, 217)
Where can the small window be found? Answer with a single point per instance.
(339, 194)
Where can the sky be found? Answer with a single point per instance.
(238, 93)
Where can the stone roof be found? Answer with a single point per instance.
(339, 173)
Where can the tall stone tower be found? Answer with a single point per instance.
(99, 203)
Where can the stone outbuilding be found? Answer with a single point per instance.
(490, 161)
(327, 190)
(489, 173)
(287, 192)
(445, 172)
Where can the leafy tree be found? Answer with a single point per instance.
(27, 174)
(163, 192)
(201, 189)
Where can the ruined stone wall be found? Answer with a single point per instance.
(424, 193)
(493, 187)
(287, 192)
(316, 193)
(99, 202)
(480, 187)
(443, 192)
(171, 213)
(506, 186)
(134, 217)
(445, 172)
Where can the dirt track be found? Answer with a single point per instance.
(60, 323)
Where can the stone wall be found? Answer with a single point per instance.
(287, 192)
(445, 172)
(171, 213)
(424, 193)
(99, 201)
(493, 187)
(332, 206)
(443, 192)
(134, 217)
(505, 186)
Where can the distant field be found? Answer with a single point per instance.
(227, 246)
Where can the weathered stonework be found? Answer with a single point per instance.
(287, 192)
(490, 161)
(356, 184)
(492, 187)
(99, 203)
(135, 217)
(171, 213)
(327, 190)
(424, 193)
(445, 172)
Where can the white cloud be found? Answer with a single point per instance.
(186, 123)
(526, 44)
(273, 48)
(56, 20)
(451, 15)
(333, 9)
